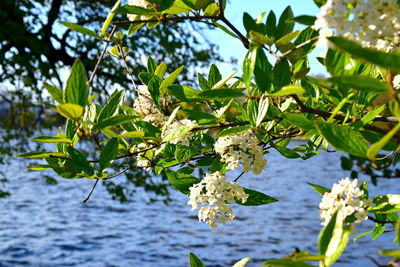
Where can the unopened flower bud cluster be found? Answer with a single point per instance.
(215, 194)
(145, 106)
(139, 3)
(372, 23)
(242, 147)
(347, 196)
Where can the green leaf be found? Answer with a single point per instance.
(390, 253)
(134, 27)
(128, 9)
(256, 198)
(386, 60)
(165, 163)
(260, 38)
(39, 168)
(343, 138)
(170, 80)
(286, 263)
(285, 24)
(398, 233)
(147, 127)
(211, 10)
(109, 19)
(263, 72)
(305, 20)
(319, 189)
(42, 155)
(108, 154)
(300, 120)
(249, 64)
(161, 70)
(154, 90)
(195, 261)
(196, 4)
(223, 81)
(219, 94)
(271, 25)
(225, 29)
(338, 63)
(177, 8)
(242, 262)
(151, 66)
(378, 146)
(214, 75)
(55, 92)
(132, 134)
(77, 89)
(181, 181)
(361, 235)
(289, 90)
(115, 100)
(252, 110)
(71, 111)
(233, 130)
(184, 93)
(262, 110)
(369, 117)
(80, 160)
(114, 121)
(184, 153)
(54, 140)
(333, 238)
(285, 40)
(79, 28)
(177, 132)
(281, 74)
(287, 153)
(378, 230)
(362, 83)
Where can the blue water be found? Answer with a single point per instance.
(48, 225)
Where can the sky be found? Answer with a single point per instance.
(229, 46)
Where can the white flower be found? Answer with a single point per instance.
(242, 147)
(396, 81)
(372, 23)
(393, 199)
(139, 3)
(145, 106)
(215, 194)
(347, 196)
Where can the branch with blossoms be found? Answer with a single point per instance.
(195, 136)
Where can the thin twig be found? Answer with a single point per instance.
(117, 174)
(91, 191)
(237, 178)
(102, 54)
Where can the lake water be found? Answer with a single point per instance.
(48, 225)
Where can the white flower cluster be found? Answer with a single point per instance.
(215, 194)
(373, 23)
(347, 196)
(183, 140)
(139, 3)
(242, 147)
(145, 106)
